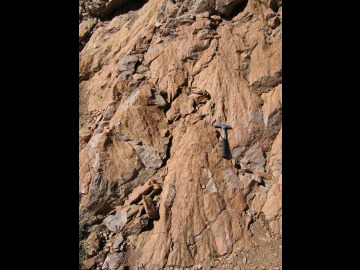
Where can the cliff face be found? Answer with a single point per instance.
(155, 76)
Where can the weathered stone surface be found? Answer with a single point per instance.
(118, 241)
(128, 63)
(136, 225)
(85, 132)
(141, 69)
(92, 244)
(160, 101)
(226, 6)
(138, 192)
(101, 8)
(85, 27)
(149, 207)
(112, 261)
(116, 223)
(130, 209)
(272, 105)
(201, 63)
(273, 202)
(254, 159)
(88, 263)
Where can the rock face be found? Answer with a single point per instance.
(155, 76)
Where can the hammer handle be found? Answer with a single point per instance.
(223, 147)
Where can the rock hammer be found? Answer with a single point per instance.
(223, 135)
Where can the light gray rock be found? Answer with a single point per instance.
(126, 74)
(112, 261)
(160, 101)
(149, 156)
(142, 69)
(116, 223)
(232, 180)
(110, 111)
(201, 6)
(211, 187)
(118, 241)
(138, 77)
(254, 159)
(158, 24)
(128, 62)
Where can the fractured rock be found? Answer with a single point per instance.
(131, 210)
(142, 69)
(102, 8)
(226, 6)
(110, 111)
(140, 212)
(137, 193)
(89, 263)
(135, 226)
(149, 207)
(118, 241)
(85, 131)
(273, 202)
(240, 71)
(85, 27)
(201, 45)
(156, 189)
(116, 223)
(160, 101)
(112, 261)
(128, 63)
(138, 77)
(92, 243)
(254, 159)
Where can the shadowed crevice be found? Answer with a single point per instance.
(126, 8)
(236, 10)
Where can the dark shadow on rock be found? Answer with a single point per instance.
(236, 10)
(127, 7)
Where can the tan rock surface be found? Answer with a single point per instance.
(154, 79)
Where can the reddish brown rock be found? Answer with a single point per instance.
(89, 263)
(138, 192)
(149, 207)
(92, 244)
(153, 82)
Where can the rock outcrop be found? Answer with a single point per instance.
(154, 77)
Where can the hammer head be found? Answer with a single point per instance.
(223, 127)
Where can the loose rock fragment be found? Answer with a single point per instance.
(92, 244)
(136, 225)
(137, 193)
(89, 263)
(116, 223)
(112, 261)
(118, 241)
(149, 207)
